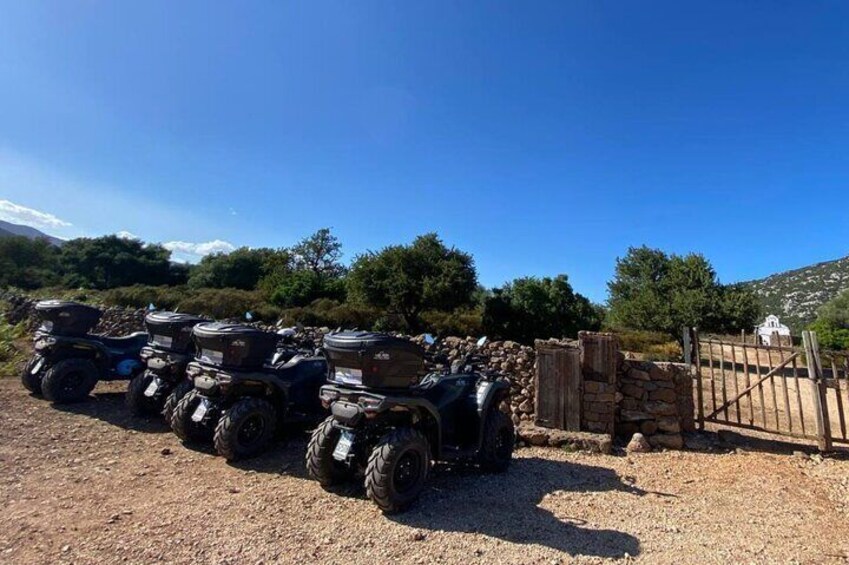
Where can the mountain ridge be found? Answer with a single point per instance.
(797, 294)
(8, 229)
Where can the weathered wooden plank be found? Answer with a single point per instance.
(799, 395)
(700, 401)
(836, 376)
(748, 383)
(786, 396)
(736, 382)
(814, 375)
(760, 386)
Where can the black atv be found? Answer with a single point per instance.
(169, 350)
(388, 423)
(68, 361)
(243, 395)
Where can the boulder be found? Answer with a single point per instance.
(638, 444)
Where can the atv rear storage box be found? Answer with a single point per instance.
(373, 360)
(170, 330)
(233, 345)
(63, 317)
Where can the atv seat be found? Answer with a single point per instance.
(133, 341)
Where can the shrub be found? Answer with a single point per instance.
(456, 323)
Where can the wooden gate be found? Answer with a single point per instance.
(786, 390)
(559, 383)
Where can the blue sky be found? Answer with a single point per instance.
(544, 138)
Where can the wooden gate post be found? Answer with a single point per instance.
(693, 358)
(818, 390)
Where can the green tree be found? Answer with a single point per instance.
(530, 308)
(319, 253)
(242, 268)
(832, 324)
(407, 280)
(112, 261)
(314, 272)
(28, 263)
(654, 291)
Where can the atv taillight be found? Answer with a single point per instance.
(369, 404)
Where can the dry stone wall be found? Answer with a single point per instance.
(655, 399)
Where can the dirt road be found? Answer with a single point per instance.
(88, 484)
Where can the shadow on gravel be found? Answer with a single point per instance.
(723, 440)
(506, 506)
(109, 407)
(284, 457)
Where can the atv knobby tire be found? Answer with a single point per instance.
(321, 465)
(32, 382)
(182, 389)
(397, 469)
(70, 380)
(245, 429)
(182, 424)
(137, 403)
(499, 437)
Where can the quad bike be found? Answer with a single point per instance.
(242, 394)
(168, 352)
(69, 361)
(388, 424)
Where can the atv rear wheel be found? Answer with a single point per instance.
(245, 429)
(137, 402)
(397, 469)
(499, 437)
(30, 380)
(321, 465)
(182, 389)
(181, 421)
(70, 380)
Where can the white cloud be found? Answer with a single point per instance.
(17, 214)
(123, 234)
(199, 249)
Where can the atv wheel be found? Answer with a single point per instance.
(137, 402)
(499, 437)
(245, 429)
(321, 465)
(69, 381)
(30, 380)
(397, 469)
(182, 389)
(181, 421)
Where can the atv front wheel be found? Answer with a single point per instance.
(321, 465)
(182, 389)
(137, 402)
(181, 421)
(70, 380)
(32, 380)
(499, 437)
(245, 429)
(397, 469)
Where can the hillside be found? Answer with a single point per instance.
(8, 229)
(796, 295)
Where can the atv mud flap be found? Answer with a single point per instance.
(154, 387)
(344, 445)
(37, 366)
(200, 412)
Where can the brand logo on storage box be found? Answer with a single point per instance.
(382, 356)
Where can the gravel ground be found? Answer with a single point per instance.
(88, 484)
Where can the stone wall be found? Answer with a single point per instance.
(655, 399)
